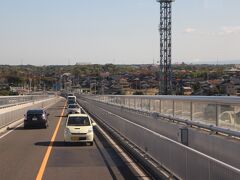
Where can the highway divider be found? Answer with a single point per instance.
(150, 166)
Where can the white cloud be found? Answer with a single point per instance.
(224, 31)
(227, 30)
(189, 30)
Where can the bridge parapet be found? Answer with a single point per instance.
(222, 112)
(182, 161)
(8, 101)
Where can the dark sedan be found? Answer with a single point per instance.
(36, 118)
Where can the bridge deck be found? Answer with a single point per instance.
(22, 152)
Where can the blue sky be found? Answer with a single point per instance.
(43, 32)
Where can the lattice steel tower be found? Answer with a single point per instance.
(165, 29)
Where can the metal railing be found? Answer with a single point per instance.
(182, 161)
(223, 112)
(8, 101)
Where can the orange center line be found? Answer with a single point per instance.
(49, 149)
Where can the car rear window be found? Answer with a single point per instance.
(35, 111)
(71, 102)
(73, 106)
(71, 98)
(78, 121)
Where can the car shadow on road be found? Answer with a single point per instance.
(59, 144)
(62, 116)
(29, 128)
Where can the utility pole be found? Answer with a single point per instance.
(30, 85)
(165, 29)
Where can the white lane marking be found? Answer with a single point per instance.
(10, 131)
(177, 143)
(124, 155)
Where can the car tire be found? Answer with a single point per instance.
(45, 126)
(90, 143)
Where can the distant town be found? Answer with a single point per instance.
(187, 79)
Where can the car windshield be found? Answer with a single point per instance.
(73, 106)
(78, 121)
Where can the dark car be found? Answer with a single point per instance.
(36, 118)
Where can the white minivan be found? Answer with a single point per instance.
(79, 128)
(73, 109)
(71, 99)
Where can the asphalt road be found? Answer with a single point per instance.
(22, 153)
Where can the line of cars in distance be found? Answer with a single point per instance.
(79, 126)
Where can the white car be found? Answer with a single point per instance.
(227, 119)
(73, 108)
(79, 128)
(71, 99)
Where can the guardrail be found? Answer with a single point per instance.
(8, 101)
(149, 165)
(222, 112)
(182, 161)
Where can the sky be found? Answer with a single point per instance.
(56, 32)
